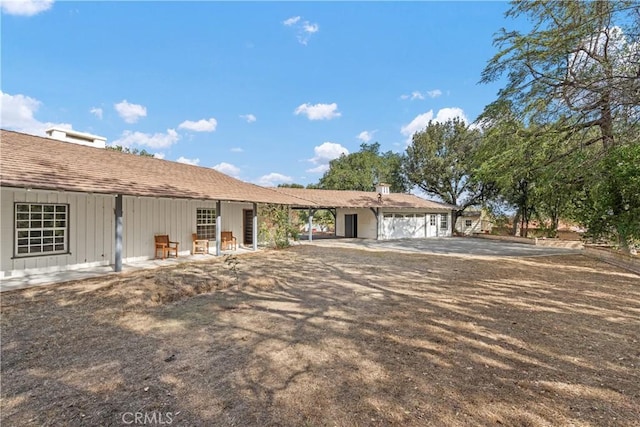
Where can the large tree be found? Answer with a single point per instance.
(439, 161)
(575, 76)
(364, 169)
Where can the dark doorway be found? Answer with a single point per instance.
(351, 225)
(247, 227)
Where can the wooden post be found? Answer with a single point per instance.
(255, 227)
(118, 231)
(218, 226)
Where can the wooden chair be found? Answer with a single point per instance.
(200, 246)
(166, 246)
(228, 241)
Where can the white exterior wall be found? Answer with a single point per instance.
(414, 224)
(91, 231)
(476, 225)
(90, 239)
(367, 222)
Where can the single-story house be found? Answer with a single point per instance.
(473, 221)
(379, 214)
(70, 204)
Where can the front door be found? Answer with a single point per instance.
(351, 225)
(432, 225)
(247, 227)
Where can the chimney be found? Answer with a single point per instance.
(75, 137)
(382, 188)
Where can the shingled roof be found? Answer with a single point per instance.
(363, 199)
(28, 161)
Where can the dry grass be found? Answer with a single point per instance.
(322, 336)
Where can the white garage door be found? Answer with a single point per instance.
(401, 226)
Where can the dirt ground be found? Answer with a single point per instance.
(318, 336)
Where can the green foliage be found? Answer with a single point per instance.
(293, 185)
(439, 161)
(135, 151)
(363, 169)
(573, 92)
(611, 204)
(275, 228)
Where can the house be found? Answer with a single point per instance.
(473, 221)
(379, 214)
(68, 203)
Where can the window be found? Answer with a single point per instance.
(468, 223)
(206, 223)
(432, 220)
(444, 222)
(41, 229)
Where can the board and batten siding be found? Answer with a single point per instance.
(90, 232)
(367, 222)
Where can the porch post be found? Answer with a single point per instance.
(118, 231)
(218, 226)
(310, 225)
(254, 228)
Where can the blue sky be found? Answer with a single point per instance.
(266, 92)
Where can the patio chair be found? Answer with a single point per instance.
(166, 246)
(200, 246)
(228, 241)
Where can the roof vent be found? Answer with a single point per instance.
(70, 135)
(383, 188)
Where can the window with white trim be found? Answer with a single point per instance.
(206, 223)
(41, 228)
(432, 220)
(468, 223)
(444, 222)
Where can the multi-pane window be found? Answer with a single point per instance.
(41, 228)
(444, 222)
(432, 220)
(467, 223)
(206, 223)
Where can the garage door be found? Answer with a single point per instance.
(401, 226)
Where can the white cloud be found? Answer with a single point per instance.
(25, 7)
(130, 113)
(96, 112)
(366, 136)
(319, 169)
(318, 111)
(227, 168)
(159, 155)
(193, 162)
(237, 150)
(416, 94)
(324, 153)
(421, 121)
(273, 179)
(250, 118)
(291, 21)
(157, 140)
(327, 151)
(199, 126)
(304, 29)
(18, 114)
(310, 28)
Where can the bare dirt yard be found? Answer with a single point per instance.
(321, 336)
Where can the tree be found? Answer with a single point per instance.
(576, 77)
(137, 152)
(439, 161)
(364, 169)
(292, 185)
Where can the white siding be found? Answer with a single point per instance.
(89, 217)
(367, 222)
(91, 230)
